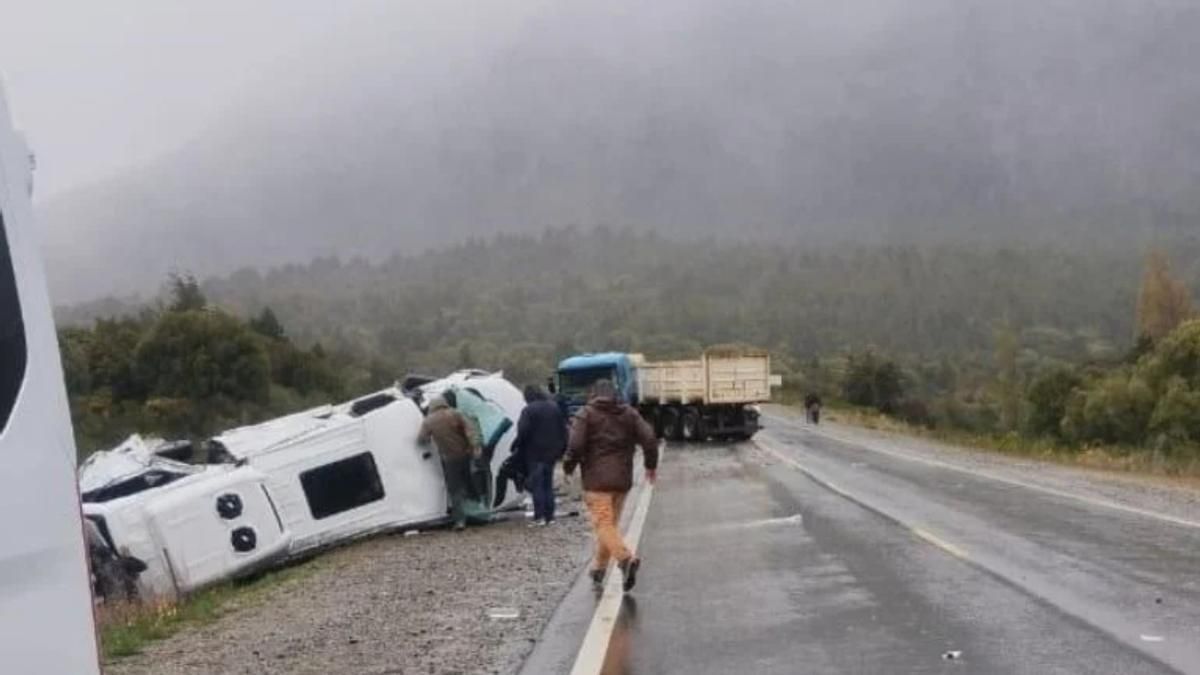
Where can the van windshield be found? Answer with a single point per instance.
(12, 333)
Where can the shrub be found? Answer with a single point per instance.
(1047, 397)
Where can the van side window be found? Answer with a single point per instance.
(12, 333)
(342, 485)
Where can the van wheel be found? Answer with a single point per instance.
(671, 427)
(690, 427)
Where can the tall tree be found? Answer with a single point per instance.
(203, 355)
(186, 295)
(1164, 302)
(268, 325)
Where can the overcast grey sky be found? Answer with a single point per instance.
(101, 86)
(206, 134)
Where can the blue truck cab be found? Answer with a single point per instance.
(576, 374)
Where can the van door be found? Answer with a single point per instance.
(217, 527)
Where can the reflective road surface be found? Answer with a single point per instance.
(799, 553)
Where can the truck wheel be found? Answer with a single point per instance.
(654, 419)
(690, 426)
(671, 427)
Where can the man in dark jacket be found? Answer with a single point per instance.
(812, 406)
(541, 440)
(604, 436)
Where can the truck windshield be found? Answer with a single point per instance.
(12, 333)
(574, 383)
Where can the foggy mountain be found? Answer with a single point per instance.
(864, 120)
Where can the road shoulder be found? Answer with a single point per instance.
(1152, 494)
(471, 602)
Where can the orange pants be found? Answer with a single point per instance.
(605, 511)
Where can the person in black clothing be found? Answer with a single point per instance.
(812, 406)
(541, 439)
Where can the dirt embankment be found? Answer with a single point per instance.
(438, 602)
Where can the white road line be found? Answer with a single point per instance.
(940, 543)
(1092, 501)
(590, 660)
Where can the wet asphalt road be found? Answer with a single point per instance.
(798, 553)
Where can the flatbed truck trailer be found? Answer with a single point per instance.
(713, 396)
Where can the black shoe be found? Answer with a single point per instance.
(630, 569)
(597, 577)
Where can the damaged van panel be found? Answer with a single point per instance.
(290, 485)
(134, 466)
(183, 536)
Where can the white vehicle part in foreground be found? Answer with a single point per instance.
(46, 623)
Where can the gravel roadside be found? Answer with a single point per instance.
(438, 602)
(1162, 495)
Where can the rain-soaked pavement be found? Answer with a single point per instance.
(798, 553)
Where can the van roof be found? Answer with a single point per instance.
(259, 439)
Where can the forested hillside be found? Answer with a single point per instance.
(992, 339)
(957, 320)
(517, 301)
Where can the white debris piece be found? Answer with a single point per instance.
(503, 613)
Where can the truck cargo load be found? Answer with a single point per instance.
(714, 396)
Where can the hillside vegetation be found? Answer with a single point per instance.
(994, 339)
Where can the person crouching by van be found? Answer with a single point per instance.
(604, 437)
(541, 441)
(457, 444)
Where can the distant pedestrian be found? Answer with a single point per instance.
(457, 442)
(541, 441)
(812, 408)
(604, 437)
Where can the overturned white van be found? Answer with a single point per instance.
(293, 484)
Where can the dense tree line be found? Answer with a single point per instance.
(962, 335)
(1148, 397)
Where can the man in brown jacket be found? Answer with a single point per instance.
(604, 436)
(457, 442)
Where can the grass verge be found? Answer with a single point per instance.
(1117, 459)
(126, 629)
